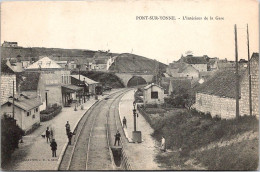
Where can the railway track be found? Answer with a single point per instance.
(90, 149)
(114, 122)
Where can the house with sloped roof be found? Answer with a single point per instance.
(182, 70)
(55, 78)
(217, 95)
(26, 111)
(198, 62)
(153, 94)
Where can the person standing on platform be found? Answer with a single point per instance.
(124, 122)
(53, 147)
(117, 138)
(47, 133)
(163, 145)
(70, 137)
(67, 126)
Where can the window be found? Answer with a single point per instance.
(28, 113)
(154, 94)
(36, 109)
(33, 116)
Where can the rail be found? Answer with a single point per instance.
(81, 129)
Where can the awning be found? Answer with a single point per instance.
(71, 88)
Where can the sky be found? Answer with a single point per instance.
(117, 26)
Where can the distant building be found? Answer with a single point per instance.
(10, 44)
(244, 102)
(16, 67)
(26, 112)
(153, 94)
(213, 64)
(182, 70)
(199, 63)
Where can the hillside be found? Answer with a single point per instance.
(57, 53)
(133, 63)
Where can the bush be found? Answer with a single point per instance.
(11, 133)
(192, 130)
(50, 112)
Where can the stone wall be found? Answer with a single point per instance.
(244, 102)
(7, 87)
(215, 105)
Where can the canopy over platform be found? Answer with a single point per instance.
(71, 88)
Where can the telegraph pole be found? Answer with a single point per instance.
(249, 74)
(13, 99)
(237, 77)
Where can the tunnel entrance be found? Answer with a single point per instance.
(136, 80)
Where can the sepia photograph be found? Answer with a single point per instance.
(129, 85)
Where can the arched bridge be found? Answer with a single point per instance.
(126, 77)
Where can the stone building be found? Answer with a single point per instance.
(217, 95)
(244, 102)
(8, 79)
(153, 94)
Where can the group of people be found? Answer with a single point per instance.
(50, 138)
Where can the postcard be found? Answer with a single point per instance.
(129, 85)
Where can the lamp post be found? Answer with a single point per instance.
(134, 112)
(137, 135)
(46, 97)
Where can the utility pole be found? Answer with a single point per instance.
(249, 74)
(13, 99)
(237, 76)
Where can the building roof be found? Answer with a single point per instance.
(25, 103)
(190, 59)
(222, 84)
(255, 56)
(150, 85)
(180, 66)
(83, 78)
(71, 88)
(44, 63)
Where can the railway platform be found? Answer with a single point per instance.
(35, 153)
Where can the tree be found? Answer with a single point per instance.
(11, 133)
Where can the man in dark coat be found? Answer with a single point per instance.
(70, 137)
(47, 134)
(117, 137)
(53, 147)
(67, 126)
